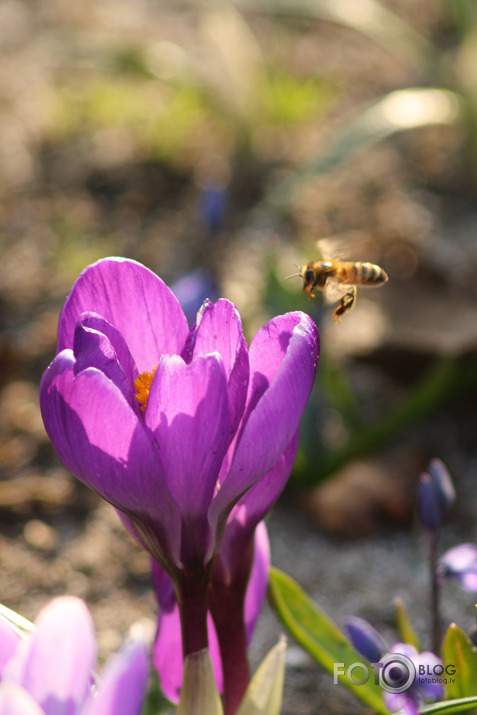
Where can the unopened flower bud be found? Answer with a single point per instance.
(366, 639)
(436, 494)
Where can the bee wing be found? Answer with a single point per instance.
(343, 246)
(333, 291)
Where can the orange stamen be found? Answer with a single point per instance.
(143, 383)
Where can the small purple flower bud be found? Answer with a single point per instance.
(366, 639)
(436, 494)
(213, 207)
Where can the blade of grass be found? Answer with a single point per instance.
(450, 707)
(368, 17)
(396, 112)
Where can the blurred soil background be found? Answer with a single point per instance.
(217, 143)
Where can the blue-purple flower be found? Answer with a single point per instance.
(173, 426)
(427, 685)
(460, 564)
(50, 671)
(407, 682)
(367, 640)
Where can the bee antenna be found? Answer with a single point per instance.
(294, 275)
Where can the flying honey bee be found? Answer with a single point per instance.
(320, 275)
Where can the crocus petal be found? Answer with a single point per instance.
(219, 328)
(9, 641)
(405, 649)
(135, 301)
(262, 496)
(280, 387)
(54, 664)
(14, 700)
(123, 683)
(460, 564)
(119, 345)
(257, 585)
(252, 508)
(460, 558)
(96, 434)
(168, 658)
(163, 588)
(468, 581)
(281, 378)
(187, 413)
(93, 349)
(402, 702)
(429, 690)
(100, 439)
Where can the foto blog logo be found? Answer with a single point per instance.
(394, 673)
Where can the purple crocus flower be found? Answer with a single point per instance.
(50, 670)
(460, 564)
(405, 675)
(427, 685)
(173, 427)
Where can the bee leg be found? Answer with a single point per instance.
(346, 303)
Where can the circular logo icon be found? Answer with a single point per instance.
(397, 673)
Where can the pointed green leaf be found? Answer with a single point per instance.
(265, 691)
(17, 622)
(404, 625)
(449, 707)
(321, 637)
(199, 692)
(458, 653)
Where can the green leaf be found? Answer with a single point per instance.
(405, 627)
(265, 691)
(320, 636)
(458, 652)
(199, 692)
(449, 707)
(17, 622)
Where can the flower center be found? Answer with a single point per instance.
(143, 383)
